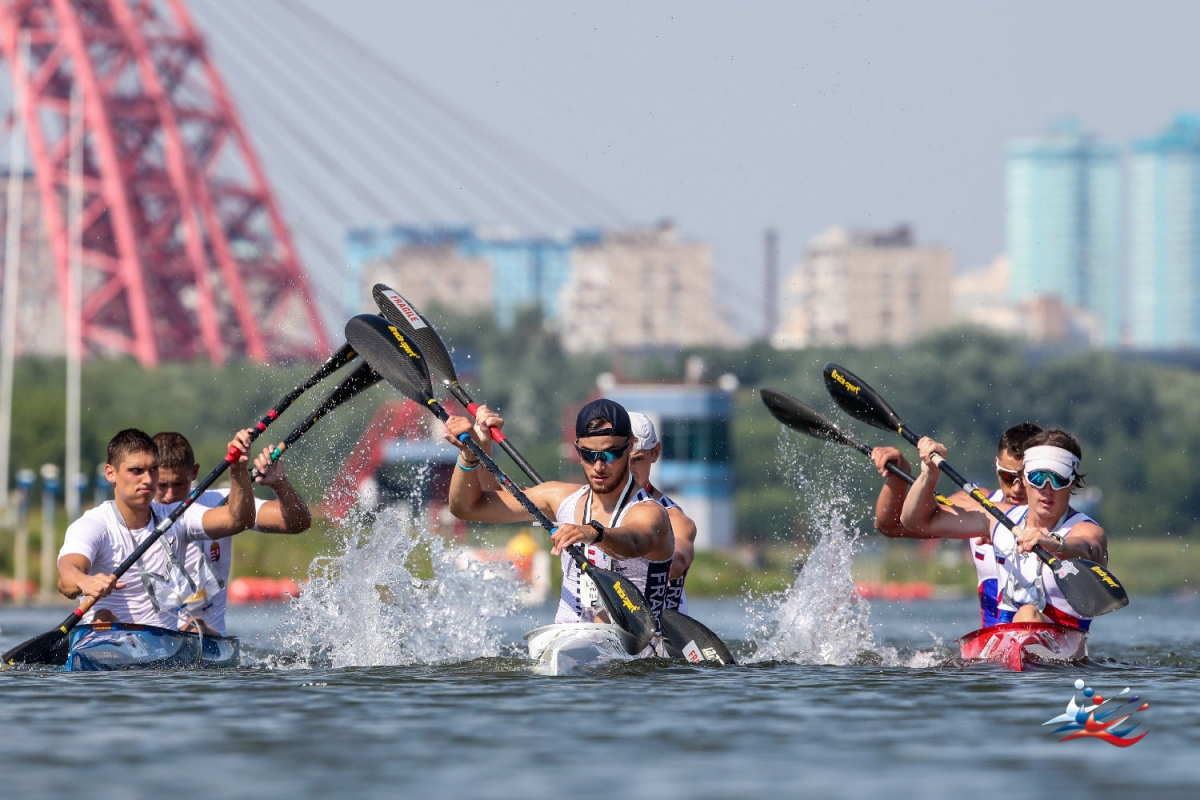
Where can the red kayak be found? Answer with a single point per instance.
(1017, 645)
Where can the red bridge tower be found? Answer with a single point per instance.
(185, 252)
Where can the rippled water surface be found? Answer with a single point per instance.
(900, 720)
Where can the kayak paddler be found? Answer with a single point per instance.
(154, 590)
(1009, 458)
(647, 448)
(208, 561)
(617, 524)
(1050, 472)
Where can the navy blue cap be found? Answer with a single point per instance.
(605, 409)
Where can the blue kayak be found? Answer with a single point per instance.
(106, 646)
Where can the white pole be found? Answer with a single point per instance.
(75, 303)
(12, 263)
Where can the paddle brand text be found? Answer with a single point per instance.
(1104, 576)
(629, 604)
(404, 345)
(847, 385)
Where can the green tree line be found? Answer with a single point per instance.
(1137, 420)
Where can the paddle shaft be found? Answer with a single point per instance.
(358, 382)
(331, 365)
(498, 436)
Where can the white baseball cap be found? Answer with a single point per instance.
(644, 435)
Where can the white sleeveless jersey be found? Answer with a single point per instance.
(1021, 572)
(649, 576)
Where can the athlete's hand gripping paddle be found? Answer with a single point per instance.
(685, 637)
(1090, 588)
(400, 362)
(48, 648)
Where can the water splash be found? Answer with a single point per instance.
(395, 594)
(822, 619)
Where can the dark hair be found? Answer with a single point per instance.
(174, 451)
(597, 424)
(1057, 437)
(1016, 439)
(129, 442)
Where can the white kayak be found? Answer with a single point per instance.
(559, 649)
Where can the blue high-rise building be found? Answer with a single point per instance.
(1065, 220)
(524, 270)
(1164, 255)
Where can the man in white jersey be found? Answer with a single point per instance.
(1009, 457)
(1028, 591)
(208, 562)
(619, 526)
(646, 451)
(153, 590)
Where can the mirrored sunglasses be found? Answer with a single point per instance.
(1040, 477)
(1007, 476)
(607, 456)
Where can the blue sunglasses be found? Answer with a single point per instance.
(607, 456)
(1040, 477)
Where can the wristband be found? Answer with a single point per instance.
(1058, 537)
(599, 530)
(464, 467)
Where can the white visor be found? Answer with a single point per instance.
(1055, 459)
(644, 435)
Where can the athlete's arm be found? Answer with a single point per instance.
(470, 501)
(892, 495)
(645, 532)
(238, 514)
(1086, 540)
(922, 514)
(684, 531)
(288, 513)
(74, 580)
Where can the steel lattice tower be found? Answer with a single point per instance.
(185, 252)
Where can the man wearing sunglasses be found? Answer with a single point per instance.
(1011, 452)
(1050, 472)
(618, 525)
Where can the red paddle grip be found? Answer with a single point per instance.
(497, 434)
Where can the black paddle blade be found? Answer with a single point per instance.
(688, 638)
(404, 315)
(804, 418)
(1090, 588)
(397, 359)
(627, 608)
(46, 648)
(859, 400)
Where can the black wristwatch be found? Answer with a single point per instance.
(599, 530)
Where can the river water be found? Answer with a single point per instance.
(900, 718)
(401, 672)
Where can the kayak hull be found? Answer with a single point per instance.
(563, 648)
(109, 646)
(1020, 645)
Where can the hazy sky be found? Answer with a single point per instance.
(730, 117)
